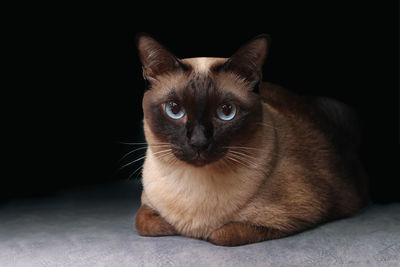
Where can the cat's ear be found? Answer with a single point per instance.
(155, 58)
(247, 62)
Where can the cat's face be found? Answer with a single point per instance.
(200, 107)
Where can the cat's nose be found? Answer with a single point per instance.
(198, 140)
(199, 146)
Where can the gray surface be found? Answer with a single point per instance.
(93, 226)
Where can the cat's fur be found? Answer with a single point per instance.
(294, 165)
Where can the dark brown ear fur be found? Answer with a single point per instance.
(247, 62)
(155, 58)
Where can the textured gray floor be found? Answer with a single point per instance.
(93, 226)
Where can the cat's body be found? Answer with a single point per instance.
(292, 167)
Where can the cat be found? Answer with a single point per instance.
(234, 160)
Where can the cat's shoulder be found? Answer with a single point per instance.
(281, 99)
(271, 92)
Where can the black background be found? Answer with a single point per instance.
(76, 83)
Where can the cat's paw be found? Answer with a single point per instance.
(236, 234)
(149, 223)
(227, 235)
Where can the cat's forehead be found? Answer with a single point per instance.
(200, 77)
(203, 64)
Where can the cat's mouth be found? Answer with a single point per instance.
(198, 159)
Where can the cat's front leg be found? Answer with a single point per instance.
(236, 234)
(150, 223)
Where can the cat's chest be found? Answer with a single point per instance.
(194, 200)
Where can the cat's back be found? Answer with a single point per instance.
(320, 135)
(289, 104)
(335, 120)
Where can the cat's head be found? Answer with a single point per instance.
(199, 107)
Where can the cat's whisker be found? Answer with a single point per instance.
(226, 163)
(241, 158)
(136, 160)
(237, 161)
(161, 151)
(140, 148)
(242, 154)
(246, 163)
(130, 152)
(245, 158)
(158, 145)
(163, 155)
(143, 155)
(127, 143)
(174, 161)
(166, 157)
(140, 167)
(250, 148)
(243, 147)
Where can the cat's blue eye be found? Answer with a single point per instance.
(226, 112)
(174, 110)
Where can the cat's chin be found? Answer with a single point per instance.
(198, 161)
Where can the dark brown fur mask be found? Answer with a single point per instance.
(200, 106)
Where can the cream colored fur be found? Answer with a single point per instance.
(198, 200)
(202, 64)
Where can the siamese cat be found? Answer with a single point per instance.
(234, 160)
